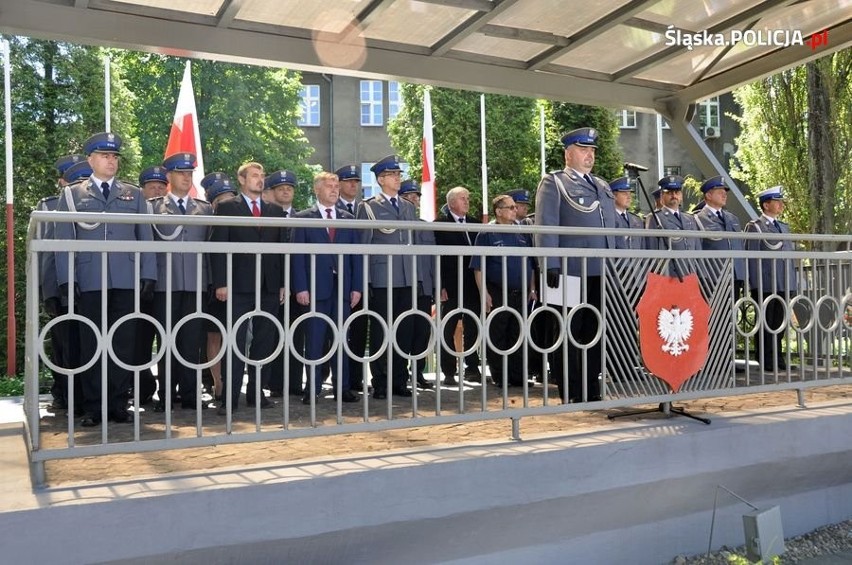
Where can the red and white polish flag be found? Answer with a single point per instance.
(184, 135)
(427, 184)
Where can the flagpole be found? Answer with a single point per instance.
(428, 202)
(660, 156)
(107, 96)
(541, 136)
(11, 364)
(484, 160)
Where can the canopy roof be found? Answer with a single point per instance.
(610, 52)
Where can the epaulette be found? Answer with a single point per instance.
(49, 198)
(154, 199)
(370, 199)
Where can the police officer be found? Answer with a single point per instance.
(576, 198)
(63, 336)
(208, 180)
(426, 265)
(281, 188)
(671, 218)
(521, 197)
(102, 192)
(770, 277)
(350, 198)
(175, 298)
(623, 194)
(388, 284)
(714, 218)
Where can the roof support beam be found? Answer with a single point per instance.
(229, 10)
(478, 5)
(469, 27)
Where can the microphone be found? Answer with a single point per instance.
(635, 167)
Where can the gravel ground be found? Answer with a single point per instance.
(833, 540)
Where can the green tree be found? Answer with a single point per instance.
(562, 117)
(797, 132)
(245, 112)
(57, 103)
(511, 140)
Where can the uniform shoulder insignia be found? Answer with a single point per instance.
(370, 199)
(155, 199)
(49, 198)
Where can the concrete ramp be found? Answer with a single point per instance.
(634, 492)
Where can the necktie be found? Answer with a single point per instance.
(331, 230)
(589, 180)
(395, 204)
(461, 220)
(181, 206)
(349, 207)
(255, 209)
(721, 217)
(777, 225)
(105, 189)
(624, 217)
(286, 213)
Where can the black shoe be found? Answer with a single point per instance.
(192, 405)
(296, 392)
(379, 394)
(91, 420)
(450, 380)
(423, 383)
(306, 399)
(349, 396)
(120, 416)
(473, 375)
(403, 392)
(276, 394)
(59, 404)
(264, 402)
(160, 406)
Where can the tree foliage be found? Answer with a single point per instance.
(796, 131)
(562, 117)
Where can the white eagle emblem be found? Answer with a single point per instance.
(674, 327)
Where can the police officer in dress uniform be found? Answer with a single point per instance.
(623, 193)
(63, 336)
(713, 217)
(670, 217)
(350, 198)
(390, 277)
(426, 266)
(176, 299)
(768, 277)
(281, 188)
(576, 198)
(101, 192)
(154, 184)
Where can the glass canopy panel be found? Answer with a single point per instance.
(500, 47)
(683, 69)
(613, 50)
(306, 14)
(416, 23)
(201, 7)
(695, 16)
(554, 16)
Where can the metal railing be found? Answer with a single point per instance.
(816, 335)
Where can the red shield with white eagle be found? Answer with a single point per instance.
(674, 328)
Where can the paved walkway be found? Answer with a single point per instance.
(152, 425)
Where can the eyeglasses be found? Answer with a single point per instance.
(513, 207)
(391, 174)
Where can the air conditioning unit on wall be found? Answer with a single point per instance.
(711, 133)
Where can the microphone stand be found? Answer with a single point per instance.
(664, 408)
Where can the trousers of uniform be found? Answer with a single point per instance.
(421, 331)
(400, 298)
(469, 335)
(768, 352)
(263, 342)
(64, 352)
(584, 326)
(119, 303)
(358, 331)
(295, 369)
(189, 342)
(146, 333)
(503, 332)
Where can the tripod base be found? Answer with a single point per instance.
(665, 408)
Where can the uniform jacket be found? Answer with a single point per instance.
(669, 222)
(449, 263)
(272, 270)
(124, 198)
(427, 262)
(185, 266)
(326, 265)
(708, 221)
(380, 209)
(49, 288)
(776, 275)
(633, 222)
(564, 198)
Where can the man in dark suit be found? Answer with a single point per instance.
(102, 192)
(574, 197)
(768, 277)
(176, 299)
(280, 188)
(238, 287)
(458, 286)
(317, 289)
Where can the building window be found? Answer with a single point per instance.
(369, 185)
(626, 119)
(310, 104)
(708, 113)
(671, 170)
(394, 99)
(371, 103)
